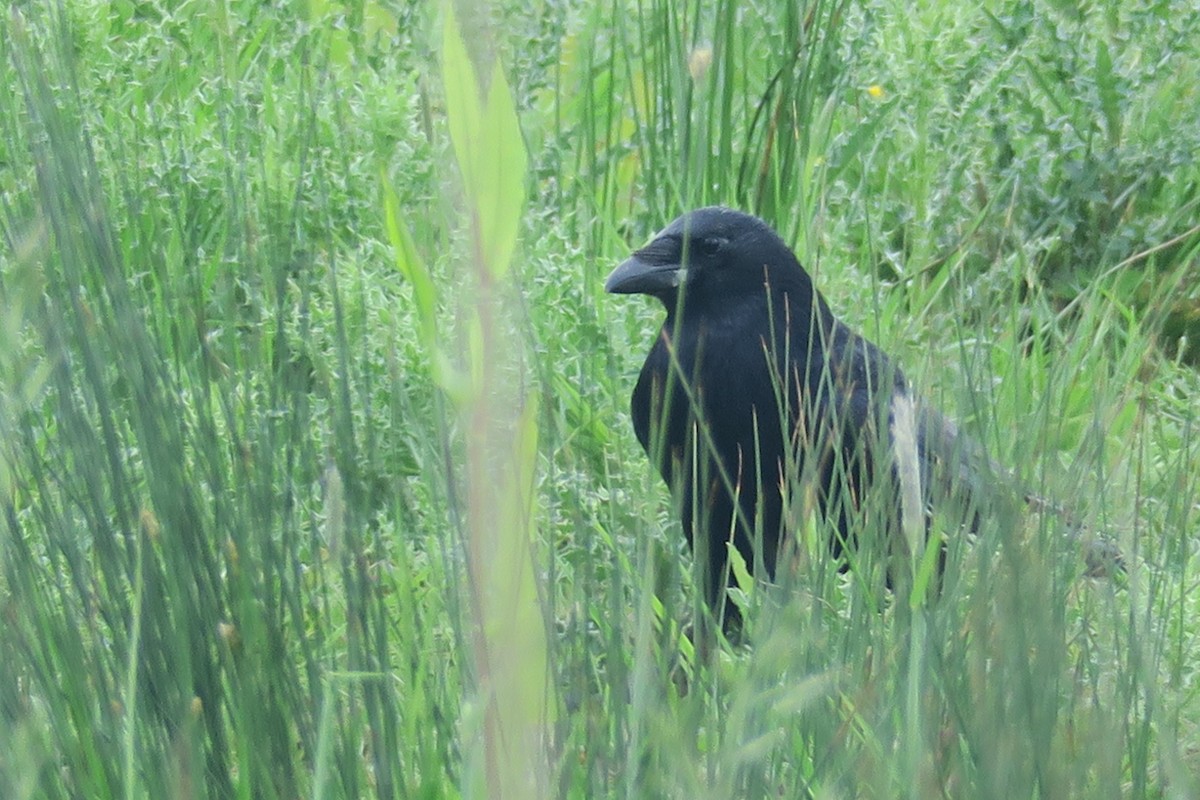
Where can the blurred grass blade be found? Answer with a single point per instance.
(509, 742)
(513, 624)
(411, 266)
(416, 272)
(1107, 85)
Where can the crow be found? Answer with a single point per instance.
(755, 400)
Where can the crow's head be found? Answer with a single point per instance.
(714, 255)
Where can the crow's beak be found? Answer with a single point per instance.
(653, 270)
(635, 276)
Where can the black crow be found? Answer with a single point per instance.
(754, 393)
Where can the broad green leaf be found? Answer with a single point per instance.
(488, 148)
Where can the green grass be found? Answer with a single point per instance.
(268, 392)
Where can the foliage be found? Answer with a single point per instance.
(236, 442)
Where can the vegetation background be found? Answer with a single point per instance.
(316, 472)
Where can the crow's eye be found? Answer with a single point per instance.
(709, 245)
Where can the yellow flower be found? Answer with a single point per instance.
(875, 91)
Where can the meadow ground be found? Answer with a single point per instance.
(316, 470)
